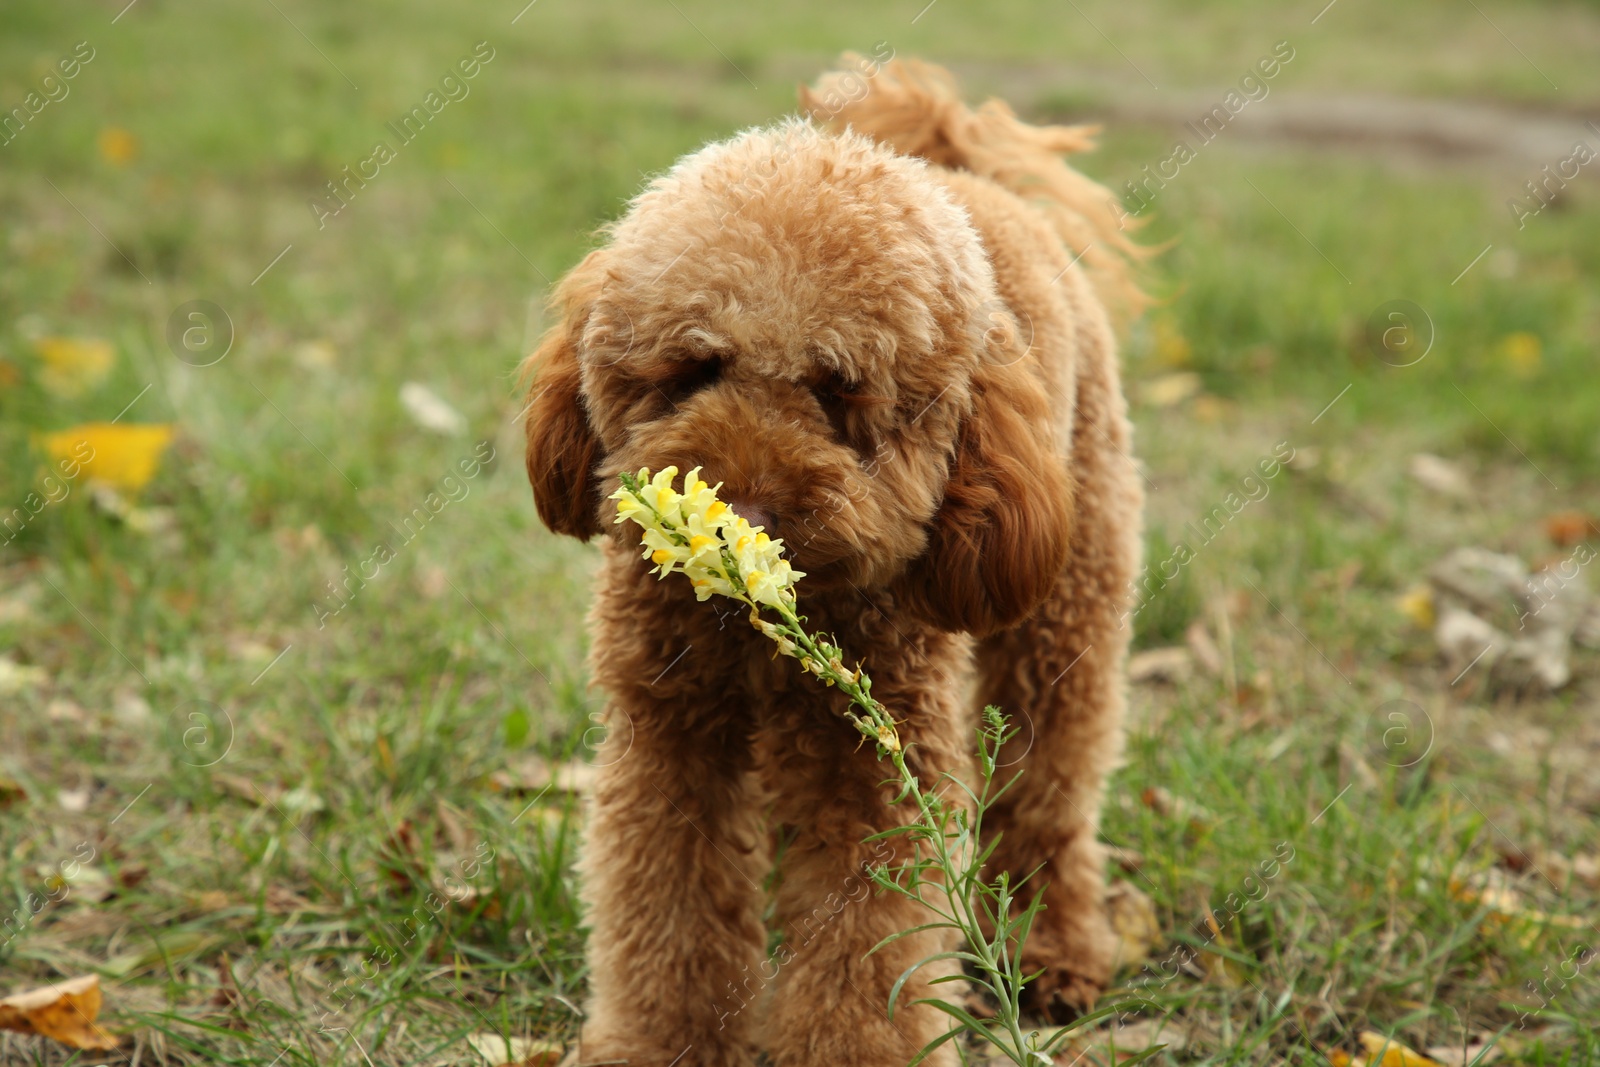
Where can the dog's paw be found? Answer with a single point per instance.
(1061, 995)
(1076, 959)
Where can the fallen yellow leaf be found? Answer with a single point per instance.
(63, 1012)
(1416, 604)
(1393, 1053)
(117, 145)
(123, 457)
(73, 365)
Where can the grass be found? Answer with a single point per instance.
(283, 816)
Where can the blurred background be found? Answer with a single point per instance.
(294, 725)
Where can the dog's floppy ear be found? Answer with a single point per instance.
(1000, 538)
(562, 448)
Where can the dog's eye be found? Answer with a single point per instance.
(690, 377)
(838, 398)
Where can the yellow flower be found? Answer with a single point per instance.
(73, 365)
(1522, 352)
(1172, 348)
(1416, 604)
(117, 145)
(122, 457)
(656, 493)
(764, 588)
(700, 535)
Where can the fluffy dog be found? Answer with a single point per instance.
(874, 328)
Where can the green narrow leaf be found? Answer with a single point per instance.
(517, 727)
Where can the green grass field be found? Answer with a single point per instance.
(301, 835)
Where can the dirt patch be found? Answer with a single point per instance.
(1403, 129)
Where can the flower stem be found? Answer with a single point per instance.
(947, 837)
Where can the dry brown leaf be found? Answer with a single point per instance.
(244, 789)
(450, 823)
(535, 775)
(1203, 648)
(1587, 867)
(284, 901)
(1160, 665)
(61, 709)
(1170, 390)
(64, 1012)
(1128, 1040)
(1439, 475)
(1490, 890)
(228, 997)
(400, 855)
(1133, 917)
(1130, 860)
(500, 1051)
(132, 875)
(1170, 806)
(212, 900)
(1567, 528)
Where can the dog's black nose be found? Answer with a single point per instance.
(755, 516)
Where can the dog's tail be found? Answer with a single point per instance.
(916, 109)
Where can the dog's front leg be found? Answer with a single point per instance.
(832, 998)
(671, 871)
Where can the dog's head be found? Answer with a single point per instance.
(812, 319)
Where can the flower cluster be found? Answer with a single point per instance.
(723, 555)
(699, 535)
